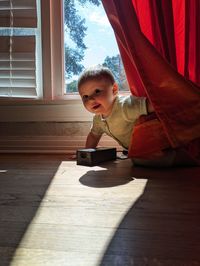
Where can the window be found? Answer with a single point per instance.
(54, 105)
(32, 50)
(20, 49)
(89, 40)
(47, 101)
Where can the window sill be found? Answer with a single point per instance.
(58, 100)
(59, 110)
(64, 109)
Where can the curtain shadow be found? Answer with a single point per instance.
(163, 226)
(24, 180)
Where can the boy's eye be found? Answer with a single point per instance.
(97, 91)
(85, 97)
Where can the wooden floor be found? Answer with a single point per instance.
(53, 212)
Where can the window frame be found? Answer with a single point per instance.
(53, 73)
(21, 41)
(55, 105)
(53, 50)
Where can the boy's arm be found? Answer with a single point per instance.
(92, 140)
(150, 108)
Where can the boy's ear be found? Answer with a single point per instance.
(115, 88)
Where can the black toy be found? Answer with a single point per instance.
(91, 157)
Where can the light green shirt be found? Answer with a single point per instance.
(120, 123)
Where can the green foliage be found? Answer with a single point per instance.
(76, 29)
(73, 57)
(72, 86)
(95, 2)
(115, 64)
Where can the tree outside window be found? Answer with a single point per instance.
(77, 28)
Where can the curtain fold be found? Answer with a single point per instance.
(158, 43)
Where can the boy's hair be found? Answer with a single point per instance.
(96, 73)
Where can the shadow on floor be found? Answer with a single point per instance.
(23, 183)
(163, 226)
(110, 175)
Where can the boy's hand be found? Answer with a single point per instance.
(92, 140)
(150, 108)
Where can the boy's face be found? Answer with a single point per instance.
(98, 96)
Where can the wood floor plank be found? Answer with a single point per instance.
(53, 212)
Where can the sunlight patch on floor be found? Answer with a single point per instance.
(75, 220)
(3, 171)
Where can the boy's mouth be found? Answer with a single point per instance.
(96, 106)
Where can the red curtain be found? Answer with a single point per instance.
(158, 42)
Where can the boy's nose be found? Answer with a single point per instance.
(91, 97)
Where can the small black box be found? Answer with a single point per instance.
(91, 157)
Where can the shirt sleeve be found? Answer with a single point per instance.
(133, 107)
(96, 127)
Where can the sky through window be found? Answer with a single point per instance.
(99, 40)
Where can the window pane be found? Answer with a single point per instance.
(20, 50)
(89, 40)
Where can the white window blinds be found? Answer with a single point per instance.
(20, 49)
